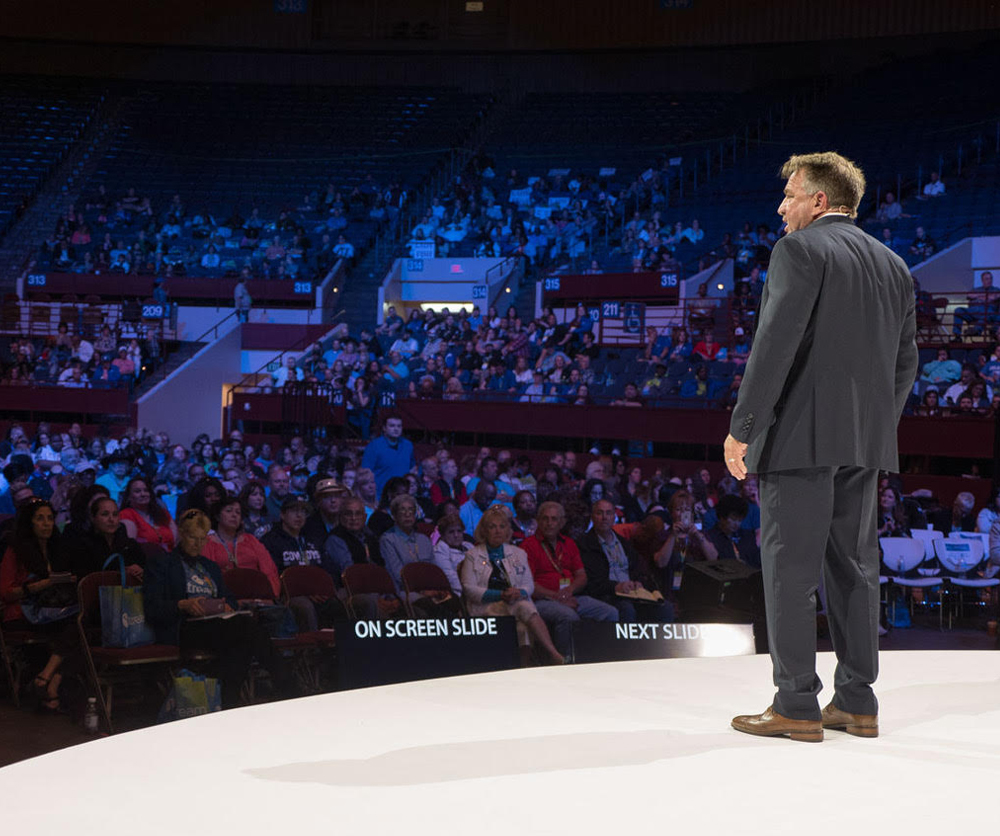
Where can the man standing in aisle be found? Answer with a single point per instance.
(390, 454)
(832, 363)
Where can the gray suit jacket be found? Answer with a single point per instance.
(834, 356)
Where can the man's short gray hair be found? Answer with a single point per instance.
(841, 180)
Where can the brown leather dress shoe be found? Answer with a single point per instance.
(860, 725)
(770, 724)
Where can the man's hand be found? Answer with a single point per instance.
(734, 452)
(627, 586)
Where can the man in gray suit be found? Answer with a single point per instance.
(833, 360)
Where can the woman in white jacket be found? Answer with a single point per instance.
(496, 579)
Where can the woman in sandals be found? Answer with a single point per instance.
(33, 590)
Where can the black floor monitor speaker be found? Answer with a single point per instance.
(724, 591)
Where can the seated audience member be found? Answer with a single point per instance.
(560, 577)
(278, 488)
(230, 547)
(966, 379)
(682, 543)
(352, 542)
(116, 478)
(922, 246)
(327, 496)
(33, 555)
(524, 523)
(497, 580)
(80, 522)
(990, 512)
(205, 495)
(891, 514)
(482, 498)
(365, 489)
(934, 187)
(943, 371)
(630, 397)
(448, 485)
(707, 349)
(730, 539)
(613, 569)
(889, 209)
(145, 517)
(982, 308)
(699, 386)
(380, 521)
(961, 517)
(489, 471)
(993, 556)
(403, 544)
(930, 404)
(657, 384)
(253, 504)
(104, 535)
(180, 587)
(288, 547)
(450, 549)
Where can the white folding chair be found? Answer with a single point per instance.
(902, 555)
(960, 556)
(927, 537)
(982, 537)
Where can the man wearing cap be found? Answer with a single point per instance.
(327, 496)
(86, 472)
(298, 481)
(288, 546)
(116, 477)
(123, 363)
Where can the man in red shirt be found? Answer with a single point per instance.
(559, 575)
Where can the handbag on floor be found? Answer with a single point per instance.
(190, 696)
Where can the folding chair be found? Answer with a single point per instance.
(305, 648)
(107, 666)
(248, 584)
(13, 647)
(960, 557)
(902, 555)
(366, 579)
(927, 537)
(420, 576)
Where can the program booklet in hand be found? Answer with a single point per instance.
(642, 594)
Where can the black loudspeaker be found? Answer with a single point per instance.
(724, 591)
(722, 583)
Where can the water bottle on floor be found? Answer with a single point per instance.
(91, 722)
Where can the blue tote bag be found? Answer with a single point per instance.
(123, 617)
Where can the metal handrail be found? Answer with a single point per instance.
(160, 374)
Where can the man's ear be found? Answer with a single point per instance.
(822, 202)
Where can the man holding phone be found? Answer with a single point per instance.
(832, 364)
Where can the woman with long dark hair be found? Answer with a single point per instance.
(205, 495)
(145, 517)
(30, 573)
(253, 504)
(104, 536)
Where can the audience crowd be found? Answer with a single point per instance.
(607, 541)
(126, 234)
(107, 360)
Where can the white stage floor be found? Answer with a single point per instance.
(592, 749)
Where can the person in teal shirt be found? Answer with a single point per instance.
(942, 370)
